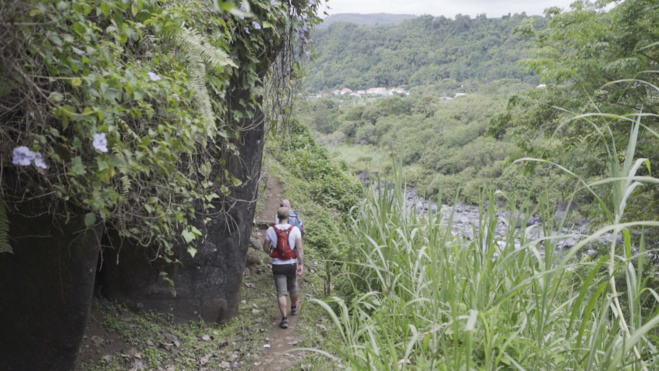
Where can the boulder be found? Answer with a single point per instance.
(206, 286)
(47, 286)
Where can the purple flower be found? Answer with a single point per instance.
(256, 25)
(100, 142)
(39, 162)
(247, 30)
(273, 2)
(176, 97)
(243, 7)
(23, 156)
(154, 77)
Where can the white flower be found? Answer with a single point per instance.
(100, 142)
(247, 30)
(39, 162)
(178, 99)
(273, 2)
(23, 156)
(256, 25)
(154, 77)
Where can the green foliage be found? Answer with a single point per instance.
(318, 186)
(328, 184)
(592, 60)
(441, 144)
(157, 80)
(424, 50)
(418, 296)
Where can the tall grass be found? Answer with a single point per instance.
(418, 297)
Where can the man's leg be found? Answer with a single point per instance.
(293, 293)
(282, 290)
(282, 302)
(293, 296)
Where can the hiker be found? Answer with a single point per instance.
(283, 242)
(293, 217)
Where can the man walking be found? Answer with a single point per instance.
(283, 242)
(293, 216)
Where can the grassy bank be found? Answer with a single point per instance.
(417, 297)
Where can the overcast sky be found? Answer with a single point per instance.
(447, 8)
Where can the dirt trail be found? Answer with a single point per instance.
(277, 354)
(274, 192)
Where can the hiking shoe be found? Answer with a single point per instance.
(284, 323)
(295, 308)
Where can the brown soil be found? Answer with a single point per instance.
(274, 193)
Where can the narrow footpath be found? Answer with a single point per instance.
(277, 353)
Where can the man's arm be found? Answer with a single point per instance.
(300, 256)
(267, 246)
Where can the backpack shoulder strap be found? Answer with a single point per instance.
(287, 230)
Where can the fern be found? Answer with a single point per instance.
(199, 53)
(194, 44)
(125, 182)
(4, 229)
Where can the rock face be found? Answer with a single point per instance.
(46, 289)
(207, 286)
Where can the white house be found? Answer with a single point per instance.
(379, 92)
(345, 91)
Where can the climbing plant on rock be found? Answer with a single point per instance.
(117, 109)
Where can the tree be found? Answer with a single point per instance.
(591, 60)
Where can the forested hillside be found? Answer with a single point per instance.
(365, 19)
(420, 51)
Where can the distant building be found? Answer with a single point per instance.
(361, 92)
(460, 95)
(399, 91)
(378, 92)
(345, 91)
(336, 92)
(541, 86)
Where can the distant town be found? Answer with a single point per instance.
(372, 92)
(380, 93)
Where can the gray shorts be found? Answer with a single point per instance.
(285, 278)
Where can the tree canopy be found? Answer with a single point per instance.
(420, 51)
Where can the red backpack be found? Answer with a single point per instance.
(283, 250)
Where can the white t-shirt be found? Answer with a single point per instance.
(271, 235)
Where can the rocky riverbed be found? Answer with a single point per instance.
(466, 221)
